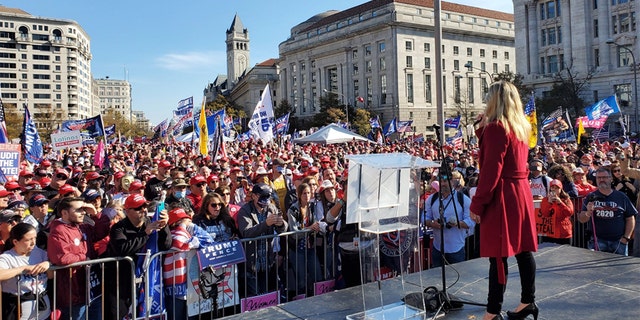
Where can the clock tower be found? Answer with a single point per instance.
(237, 51)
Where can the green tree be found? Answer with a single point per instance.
(331, 111)
(124, 126)
(13, 120)
(360, 121)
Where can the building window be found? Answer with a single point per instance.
(494, 54)
(427, 47)
(506, 68)
(368, 65)
(409, 88)
(408, 45)
(495, 68)
(381, 47)
(456, 50)
(482, 54)
(383, 89)
(427, 63)
(456, 85)
(624, 56)
(383, 64)
(456, 65)
(596, 57)
(469, 52)
(409, 62)
(355, 69)
(367, 50)
(470, 90)
(427, 88)
(553, 64)
(470, 66)
(623, 91)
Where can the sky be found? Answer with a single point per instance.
(171, 50)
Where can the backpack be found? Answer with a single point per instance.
(459, 195)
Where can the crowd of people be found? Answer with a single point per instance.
(67, 209)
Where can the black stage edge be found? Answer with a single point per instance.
(571, 283)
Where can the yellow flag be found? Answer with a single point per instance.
(204, 132)
(580, 129)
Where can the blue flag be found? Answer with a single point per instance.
(375, 122)
(89, 128)
(30, 139)
(155, 274)
(452, 123)
(603, 108)
(110, 130)
(282, 124)
(390, 127)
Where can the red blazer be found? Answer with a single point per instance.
(561, 213)
(503, 198)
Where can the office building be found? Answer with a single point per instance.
(597, 38)
(46, 63)
(382, 53)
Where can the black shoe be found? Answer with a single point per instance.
(532, 308)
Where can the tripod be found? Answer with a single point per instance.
(446, 302)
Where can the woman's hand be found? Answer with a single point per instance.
(474, 217)
(37, 268)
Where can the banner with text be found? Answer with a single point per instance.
(63, 140)
(9, 160)
(227, 296)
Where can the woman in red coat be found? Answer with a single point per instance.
(558, 205)
(503, 204)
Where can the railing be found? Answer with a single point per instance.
(293, 273)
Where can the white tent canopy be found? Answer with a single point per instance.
(330, 134)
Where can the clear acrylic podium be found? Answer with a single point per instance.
(383, 195)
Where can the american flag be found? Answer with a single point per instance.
(405, 126)
(456, 140)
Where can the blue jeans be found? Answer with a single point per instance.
(611, 246)
(306, 268)
(453, 257)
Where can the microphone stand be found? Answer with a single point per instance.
(447, 302)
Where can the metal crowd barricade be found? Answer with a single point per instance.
(87, 266)
(235, 291)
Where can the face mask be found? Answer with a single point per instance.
(179, 194)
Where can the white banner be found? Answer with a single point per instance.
(63, 140)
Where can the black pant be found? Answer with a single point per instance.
(527, 269)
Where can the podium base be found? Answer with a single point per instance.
(396, 310)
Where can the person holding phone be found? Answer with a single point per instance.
(558, 206)
(260, 217)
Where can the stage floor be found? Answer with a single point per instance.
(572, 283)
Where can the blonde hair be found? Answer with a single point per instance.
(505, 106)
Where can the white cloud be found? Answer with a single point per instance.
(192, 60)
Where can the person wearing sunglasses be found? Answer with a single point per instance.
(58, 180)
(214, 217)
(127, 238)
(198, 187)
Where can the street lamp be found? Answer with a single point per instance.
(346, 106)
(635, 83)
